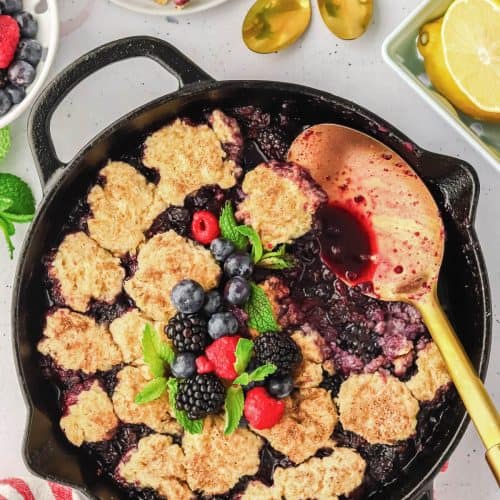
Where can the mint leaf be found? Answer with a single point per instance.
(152, 390)
(4, 142)
(258, 375)
(191, 426)
(18, 218)
(260, 312)
(243, 353)
(5, 204)
(4, 227)
(276, 262)
(150, 342)
(228, 227)
(166, 353)
(233, 409)
(254, 238)
(19, 192)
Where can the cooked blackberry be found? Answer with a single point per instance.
(273, 143)
(278, 349)
(188, 332)
(208, 198)
(176, 218)
(201, 395)
(359, 340)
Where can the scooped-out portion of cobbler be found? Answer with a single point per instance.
(202, 346)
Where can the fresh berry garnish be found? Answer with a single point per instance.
(280, 387)
(27, 23)
(188, 333)
(204, 227)
(261, 410)
(16, 94)
(203, 365)
(278, 349)
(221, 324)
(221, 249)
(188, 296)
(200, 396)
(184, 365)
(29, 51)
(9, 38)
(5, 102)
(213, 303)
(221, 353)
(21, 73)
(237, 291)
(11, 6)
(238, 264)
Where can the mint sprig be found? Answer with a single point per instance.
(254, 239)
(233, 409)
(228, 227)
(151, 391)
(260, 311)
(5, 142)
(277, 259)
(155, 352)
(243, 354)
(191, 426)
(258, 375)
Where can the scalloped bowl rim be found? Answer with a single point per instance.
(164, 10)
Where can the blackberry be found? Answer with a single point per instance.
(359, 340)
(176, 218)
(272, 143)
(188, 333)
(279, 349)
(201, 395)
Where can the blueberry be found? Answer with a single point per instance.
(238, 264)
(213, 303)
(3, 78)
(237, 291)
(280, 387)
(184, 365)
(29, 50)
(221, 249)
(17, 94)
(11, 6)
(27, 23)
(21, 73)
(188, 296)
(5, 102)
(221, 324)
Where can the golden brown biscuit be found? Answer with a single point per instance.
(310, 372)
(122, 209)
(309, 419)
(162, 262)
(187, 157)
(77, 342)
(280, 201)
(127, 331)
(379, 408)
(215, 462)
(432, 374)
(259, 491)
(85, 271)
(90, 418)
(157, 414)
(156, 463)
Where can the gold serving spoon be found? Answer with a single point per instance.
(405, 237)
(347, 19)
(272, 25)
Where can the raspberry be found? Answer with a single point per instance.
(261, 410)
(188, 333)
(221, 354)
(9, 38)
(200, 396)
(205, 227)
(203, 365)
(279, 349)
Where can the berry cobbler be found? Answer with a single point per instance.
(201, 341)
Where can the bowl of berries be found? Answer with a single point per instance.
(29, 32)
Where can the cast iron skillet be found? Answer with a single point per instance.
(454, 184)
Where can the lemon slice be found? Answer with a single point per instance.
(470, 37)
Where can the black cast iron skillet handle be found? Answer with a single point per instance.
(40, 117)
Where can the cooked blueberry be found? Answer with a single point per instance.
(5, 102)
(21, 73)
(213, 302)
(238, 264)
(17, 94)
(11, 6)
(188, 296)
(237, 291)
(280, 387)
(29, 50)
(27, 23)
(184, 365)
(221, 249)
(221, 324)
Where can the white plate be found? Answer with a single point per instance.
(154, 9)
(400, 52)
(45, 11)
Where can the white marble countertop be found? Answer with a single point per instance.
(353, 70)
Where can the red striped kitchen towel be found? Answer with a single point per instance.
(14, 488)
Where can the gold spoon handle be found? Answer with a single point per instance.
(472, 391)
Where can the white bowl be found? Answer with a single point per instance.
(45, 12)
(400, 52)
(152, 8)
